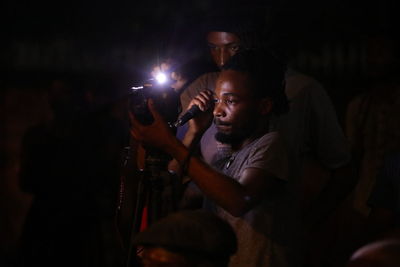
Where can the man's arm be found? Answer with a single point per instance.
(236, 197)
(194, 133)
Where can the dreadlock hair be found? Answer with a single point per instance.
(267, 76)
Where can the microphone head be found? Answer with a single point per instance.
(189, 114)
(194, 110)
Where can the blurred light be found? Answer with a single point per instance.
(161, 78)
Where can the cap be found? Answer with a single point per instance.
(191, 232)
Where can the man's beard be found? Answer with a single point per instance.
(230, 139)
(236, 137)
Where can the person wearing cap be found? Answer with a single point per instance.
(187, 238)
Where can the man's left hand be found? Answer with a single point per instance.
(158, 134)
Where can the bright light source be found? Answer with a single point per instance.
(161, 77)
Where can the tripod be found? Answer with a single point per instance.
(158, 190)
(158, 193)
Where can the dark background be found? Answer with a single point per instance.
(326, 39)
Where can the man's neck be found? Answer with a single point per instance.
(262, 129)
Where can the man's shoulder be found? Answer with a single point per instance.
(299, 83)
(267, 153)
(263, 144)
(205, 80)
(267, 138)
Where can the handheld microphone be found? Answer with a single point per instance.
(189, 114)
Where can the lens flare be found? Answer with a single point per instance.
(161, 77)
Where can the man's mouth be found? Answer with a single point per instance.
(222, 125)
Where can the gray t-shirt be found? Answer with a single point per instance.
(253, 230)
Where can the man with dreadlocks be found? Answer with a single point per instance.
(316, 145)
(244, 187)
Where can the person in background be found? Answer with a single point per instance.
(381, 253)
(384, 219)
(70, 165)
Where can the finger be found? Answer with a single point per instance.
(135, 128)
(208, 92)
(136, 135)
(135, 123)
(204, 95)
(206, 99)
(198, 102)
(211, 97)
(201, 102)
(153, 110)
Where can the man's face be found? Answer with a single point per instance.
(236, 109)
(223, 45)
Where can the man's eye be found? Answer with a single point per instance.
(230, 101)
(234, 48)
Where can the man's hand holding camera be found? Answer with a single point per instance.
(159, 135)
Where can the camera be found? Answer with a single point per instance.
(166, 101)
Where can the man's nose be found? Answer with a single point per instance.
(218, 110)
(223, 56)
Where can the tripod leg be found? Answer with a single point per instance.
(155, 201)
(141, 200)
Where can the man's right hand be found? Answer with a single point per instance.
(200, 123)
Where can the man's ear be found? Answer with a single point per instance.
(265, 106)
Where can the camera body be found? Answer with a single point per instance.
(166, 102)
